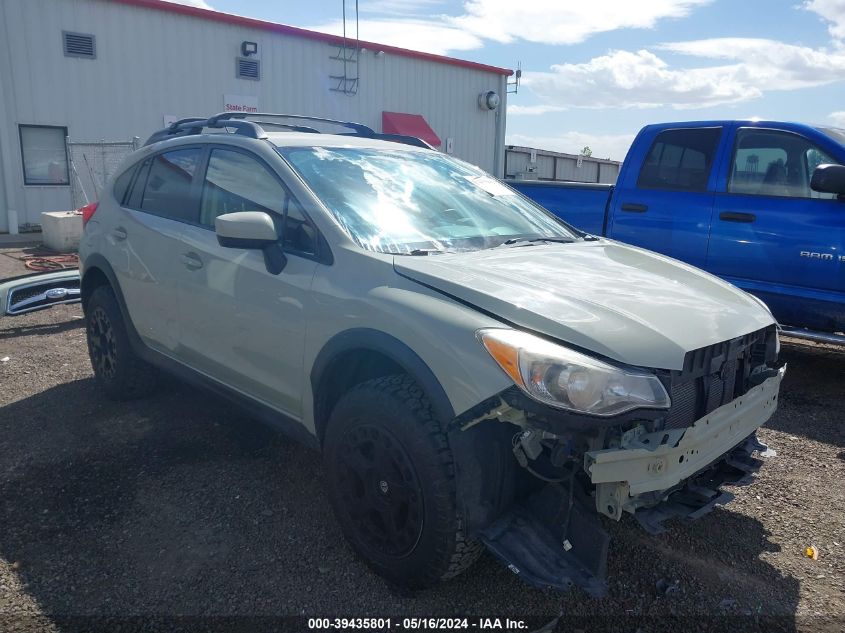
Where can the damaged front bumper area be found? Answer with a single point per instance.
(549, 531)
(678, 472)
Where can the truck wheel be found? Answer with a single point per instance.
(391, 482)
(117, 369)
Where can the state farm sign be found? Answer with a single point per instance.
(240, 103)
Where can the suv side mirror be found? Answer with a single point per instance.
(829, 179)
(251, 230)
(245, 229)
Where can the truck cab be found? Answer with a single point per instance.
(734, 198)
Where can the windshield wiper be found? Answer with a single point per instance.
(419, 251)
(527, 241)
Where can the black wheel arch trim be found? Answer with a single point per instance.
(98, 262)
(366, 339)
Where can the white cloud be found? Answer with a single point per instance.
(837, 118)
(564, 21)
(532, 110)
(643, 79)
(770, 64)
(201, 4)
(613, 146)
(624, 79)
(418, 35)
(831, 10)
(542, 21)
(398, 7)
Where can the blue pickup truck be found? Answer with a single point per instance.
(759, 203)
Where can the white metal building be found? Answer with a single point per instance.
(528, 163)
(117, 69)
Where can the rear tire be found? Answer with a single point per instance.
(120, 373)
(391, 481)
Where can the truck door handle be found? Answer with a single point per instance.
(732, 216)
(191, 261)
(119, 233)
(634, 208)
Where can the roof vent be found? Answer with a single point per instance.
(248, 68)
(79, 45)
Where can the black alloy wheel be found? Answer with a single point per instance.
(101, 343)
(380, 491)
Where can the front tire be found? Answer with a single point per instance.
(391, 481)
(120, 373)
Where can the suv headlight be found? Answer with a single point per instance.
(566, 379)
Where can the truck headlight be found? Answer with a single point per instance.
(566, 379)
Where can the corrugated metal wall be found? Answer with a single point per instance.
(558, 166)
(153, 63)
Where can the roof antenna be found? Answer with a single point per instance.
(517, 77)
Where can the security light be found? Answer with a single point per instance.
(249, 48)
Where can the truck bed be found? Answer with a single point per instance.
(582, 204)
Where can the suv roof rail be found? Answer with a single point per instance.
(255, 129)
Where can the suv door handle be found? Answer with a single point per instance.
(732, 216)
(119, 233)
(191, 261)
(632, 207)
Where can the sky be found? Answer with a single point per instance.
(596, 71)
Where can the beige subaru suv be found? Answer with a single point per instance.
(474, 371)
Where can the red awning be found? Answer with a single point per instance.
(410, 125)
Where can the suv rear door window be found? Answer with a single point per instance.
(168, 189)
(680, 159)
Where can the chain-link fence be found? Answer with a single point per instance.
(91, 164)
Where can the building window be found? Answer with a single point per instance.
(44, 155)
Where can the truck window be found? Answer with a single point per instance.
(775, 163)
(680, 159)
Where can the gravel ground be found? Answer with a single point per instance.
(180, 505)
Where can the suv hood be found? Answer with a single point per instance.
(623, 302)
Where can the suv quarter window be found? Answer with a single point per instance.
(136, 189)
(775, 163)
(236, 181)
(168, 188)
(122, 184)
(680, 159)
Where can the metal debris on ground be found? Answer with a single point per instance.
(5, 359)
(42, 263)
(812, 552)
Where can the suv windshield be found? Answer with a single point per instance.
(412, 202)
